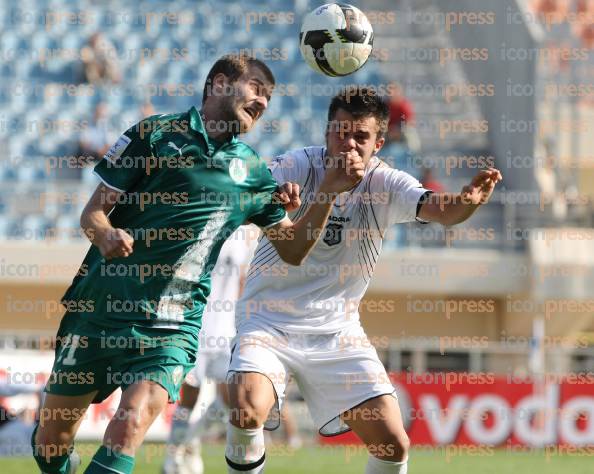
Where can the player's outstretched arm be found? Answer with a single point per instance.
(111, 242)
(294, 240)
(451, 208)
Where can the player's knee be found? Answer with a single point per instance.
(248, 415)
(48, 443)
(402, 446)
(123, 428)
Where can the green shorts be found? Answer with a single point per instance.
(92, 357)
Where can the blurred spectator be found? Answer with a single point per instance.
(147, 109)
(99, 59)
(587, 35)
(585, 10)
(429, 182)
(96, 139)
(402, 115)
(551, 11)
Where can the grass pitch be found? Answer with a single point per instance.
(352, 459)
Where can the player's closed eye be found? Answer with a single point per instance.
(253, 87)
(259, 89)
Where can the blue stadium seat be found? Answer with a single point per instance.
(66, 227)
(34, 227)
(4, 222)
(40, 40)
(15, 228)
(9, 40)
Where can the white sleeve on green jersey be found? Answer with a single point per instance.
(124, 164)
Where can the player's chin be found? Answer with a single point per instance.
(245, 125)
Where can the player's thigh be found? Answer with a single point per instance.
(146, 398)
(378, 422)
(60, 416)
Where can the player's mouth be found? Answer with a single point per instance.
(254, 114)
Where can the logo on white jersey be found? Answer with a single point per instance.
(238, 170)
(333, 235)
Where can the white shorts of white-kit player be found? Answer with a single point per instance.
(334, 372)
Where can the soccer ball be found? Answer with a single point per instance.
(336, 39)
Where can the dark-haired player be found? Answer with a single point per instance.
(306, 324)
(174, 189)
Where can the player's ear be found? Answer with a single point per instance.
(379, 143)
(220, 83)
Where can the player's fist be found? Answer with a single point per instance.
(288, 196)
(114, 243)
(481, 187)
(343, 172)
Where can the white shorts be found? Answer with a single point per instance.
(334, 372)
(209, 365)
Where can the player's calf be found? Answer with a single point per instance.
(245, 450)
(378, 422)
(53, 437)
(141, 403)
(388, 454)
(390, 447)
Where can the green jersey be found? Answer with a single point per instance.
(183, 195)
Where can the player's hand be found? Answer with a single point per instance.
(114, 243)
(288, 196)
(343, 172)
(481, 187)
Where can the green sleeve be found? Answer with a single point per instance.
(125, 162)
(265, 213)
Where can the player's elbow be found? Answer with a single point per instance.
(446, 221)
(84, 219)
(449, 220)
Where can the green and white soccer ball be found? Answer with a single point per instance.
(336, 39)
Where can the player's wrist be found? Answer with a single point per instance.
(102, 234)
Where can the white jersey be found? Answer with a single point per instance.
(323, 294)
(218, 319)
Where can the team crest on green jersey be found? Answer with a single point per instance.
(238, 170)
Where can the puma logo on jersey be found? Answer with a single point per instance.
(175, 147)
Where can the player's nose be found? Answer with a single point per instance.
(262, 103)
(349, 143)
